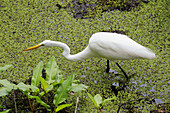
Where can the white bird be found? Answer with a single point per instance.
(112, 46)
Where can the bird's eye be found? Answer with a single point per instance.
(42, 45)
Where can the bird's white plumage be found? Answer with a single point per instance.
(111, 46)
(117, 46)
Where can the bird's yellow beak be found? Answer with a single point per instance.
(34, 47)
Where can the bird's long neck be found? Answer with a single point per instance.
(86, 53)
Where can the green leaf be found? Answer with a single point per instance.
(36, 74)
(6, 111)
(24, 87)
(5, 68)
(60, 107)
(3, 91)
(45, 86)
(9, 86)
(42, 94)
(6, 83)
(104, 101)
(63, 90)
(52, 70)
(35, 89)
(27, 88)
(92, 99)
(59, 79)
(49, 88)
(40, 101)
(78, 87)
(74, 81)
(56, 84)
(98, 99)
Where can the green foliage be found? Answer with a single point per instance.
(98, 102)
(51, 70)
(7, 87)
(78, 87)
(60, 89)
(62, 107)
(40, 101)
(36, 74)
(6, 111)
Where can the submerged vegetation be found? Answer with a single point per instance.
(27, 23)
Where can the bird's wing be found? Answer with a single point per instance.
(115, 46)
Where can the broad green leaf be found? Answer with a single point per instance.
(6, 83)
(37, 72)
(6, 111)
(5, 68)
(75, 81)
(63, 90)
(104, 101)
(98, 99)
(56, 84)
(9, 86)
(92, 99)
(52, 70)
(59, 79)
(45, 86)
(42, 93)
(49, 88)
(40, 101)
(78, 87)
(24, 87)
(27, 88)
(3, 91)
(35, 89)
(60, 107)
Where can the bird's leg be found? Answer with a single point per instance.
(107, 69)
(122, 70)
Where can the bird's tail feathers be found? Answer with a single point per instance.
(147, 53)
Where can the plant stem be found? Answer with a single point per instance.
(54, 109)
(32, 109)
(98, 111)
(15, 101)
(46, 95)
(77, 104)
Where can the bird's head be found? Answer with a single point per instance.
(45, 43)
